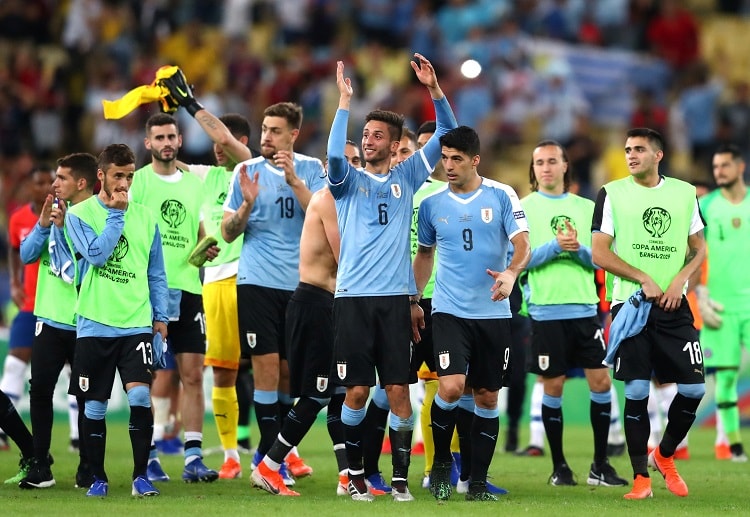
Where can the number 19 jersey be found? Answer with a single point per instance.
(270, 246)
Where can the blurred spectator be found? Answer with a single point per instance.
(559, 103)
(698, 103)
(734, 119)
(673, 35)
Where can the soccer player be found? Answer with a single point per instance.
(55, 336)
(471, 223)
(265, 205)
(121, 307)
(309, 339)
(656, 227)
(566, 329)
(23, 280)
(176, 198)
(724, 300)
(371, 306)
(376, 418)
(230, 135)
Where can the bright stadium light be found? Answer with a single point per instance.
(471, 69)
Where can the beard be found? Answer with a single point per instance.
(728, 183)
(157, 155)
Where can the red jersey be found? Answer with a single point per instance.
(21, 223)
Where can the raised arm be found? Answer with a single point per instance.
(337, 164)
(445, 120)
(243, 193)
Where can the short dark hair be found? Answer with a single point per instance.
(429, 126)
(81, 165)
(566, 177)
(161, 119)
(115, 154)
(732, 149)
(408, 133)
(653, 136)
(39, 167)
(462, 138)
(290, 111)
(394, 121)
(236, 124)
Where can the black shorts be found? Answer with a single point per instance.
(97, 359)
(559, 345)
(188, 334)
(668, 347)
(480, 349)
(309, 341)
(372, 332)
(422, 352)
(53, 347)
(261, 313)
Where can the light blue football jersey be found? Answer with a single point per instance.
(374, 218)
(270, 246)
(472, 233)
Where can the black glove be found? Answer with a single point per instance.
(168, 104)
(180, 92)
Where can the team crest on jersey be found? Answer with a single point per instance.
(559, 223)
(251, 339)
(121, 249)
(736, 222)
(444, 359)
(543, 362)
(173, 213)
(341, 370)
(487, 215)
(322, 383)
(656, 221)
(38, 328)
(83, 383)
(396, 190)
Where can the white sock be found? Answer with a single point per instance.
(12, 383)
(73, 417)
(161, 416)
(721, 436)
(536, 426)
(233, 454)
(654, 417)
(616, 436)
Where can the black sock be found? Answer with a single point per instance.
(284, 410)
(680, 418)
(296, 425)
(96, 443)
(333, 418)
(40, 412)
(244, 388)
(267, 416)
(484, 433)
(637, 428)
(373, 432)
(354, 435)
(336, 430)
(464, 424)
(141, 429)
(12, 424)
(400, 452)
(83, 458)
(600, 419)
(552, 419)
(442, 422)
